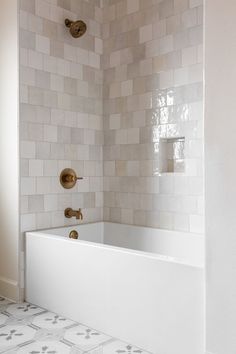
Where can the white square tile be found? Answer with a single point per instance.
(43, 185)
(189, 18)
(98, 46)
(23, 19)
(28, 149)
(35, 60)
(121, 136)
(114, 121)
(115, 90)
(145, 33)
(27, 76)
(42, 9)
(109, 168)
(35, 168)
(115, 58)
(50, 133)
(145, 67)
(166, 44)
(153, 48)
(195, 3)
(94, 60)
(127, 88)
(166, 79)
(50, 168)
(28, 186)
(181, 77)
(42, 44)
(28, 222)
(189, 56)
(57, 82)
(50, 202)
(23, 56)
(195, 73)
(43, 220)
(133, 136)
(132, 6)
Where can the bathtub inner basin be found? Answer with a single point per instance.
(184, 247)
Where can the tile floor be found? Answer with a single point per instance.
(28, 329)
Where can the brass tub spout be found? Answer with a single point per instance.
(70, 213)
(74, 235)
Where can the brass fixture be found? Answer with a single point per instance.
(77, 28)
(70, 213)
(74, 234)
(68, 178)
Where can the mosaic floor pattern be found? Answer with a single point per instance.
(28, 329)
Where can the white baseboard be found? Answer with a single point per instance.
(9, 289)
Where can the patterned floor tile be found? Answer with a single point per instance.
(23, 310)
(45, 348)
(119, 347)
(3, 304)
(50, 334)
(16, 321)
(51, 320)
(29, 329)
(4, 301)
(3, 319)
(85, 338)
(11, 336)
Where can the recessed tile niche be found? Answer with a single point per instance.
(172, 155)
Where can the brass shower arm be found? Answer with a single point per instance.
(68, 22)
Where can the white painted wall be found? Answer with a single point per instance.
(220, 146)
(9, 181)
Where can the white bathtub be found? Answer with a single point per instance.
(142, 285)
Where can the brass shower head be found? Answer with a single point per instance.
(77, 28)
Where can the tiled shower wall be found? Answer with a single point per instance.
(61, 111)
(153, 83)
(148, 83)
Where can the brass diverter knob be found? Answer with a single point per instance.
(68, 178)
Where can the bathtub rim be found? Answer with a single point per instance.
(156, 256)
(117, 223)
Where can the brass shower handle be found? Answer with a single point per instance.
(68, 178)
(71, 178)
